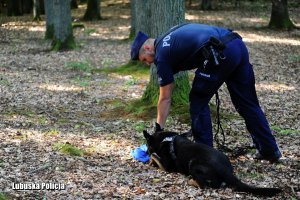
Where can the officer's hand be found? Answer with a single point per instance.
(157, 128)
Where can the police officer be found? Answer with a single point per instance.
(220, 56)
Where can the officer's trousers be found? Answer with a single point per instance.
(236, 71)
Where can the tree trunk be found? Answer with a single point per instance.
(133, 19)
(36, 10)
(142, 16)
(49, 11)
(26, 6)
(280, 17)
(74, 4)
(164, 15)
(206, 5)
(14, 8)
(60, 23)
(93, 10)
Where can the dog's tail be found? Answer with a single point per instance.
(239, 186)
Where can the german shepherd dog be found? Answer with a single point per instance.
(207, 166)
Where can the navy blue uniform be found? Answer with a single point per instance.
(181, 50)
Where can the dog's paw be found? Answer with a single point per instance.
(192, 182)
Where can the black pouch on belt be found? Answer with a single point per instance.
(212, 52)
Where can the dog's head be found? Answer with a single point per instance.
(154, 141)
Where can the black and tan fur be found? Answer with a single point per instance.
(207, 166)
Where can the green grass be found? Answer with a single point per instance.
(281, 131)
(251, 175)
(80, 66)
(89, 31)
(293, 59)
(68, 149)
(134, 109)
(3, 197)
(4, 81)
(140, 126)
(52, 132)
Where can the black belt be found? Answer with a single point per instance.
(229, 37)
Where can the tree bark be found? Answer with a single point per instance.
(132, 19)
(280, 17)
(142, 14)
(49, 11)
(164, 15)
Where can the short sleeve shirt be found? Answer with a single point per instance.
(177, 51)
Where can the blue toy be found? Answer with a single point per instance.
(140, 154)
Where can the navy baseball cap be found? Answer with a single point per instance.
(137, 44)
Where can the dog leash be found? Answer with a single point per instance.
(238, 151)
(220, 144)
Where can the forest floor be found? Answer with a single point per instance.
(51, 101)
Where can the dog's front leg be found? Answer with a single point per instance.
(155, 158)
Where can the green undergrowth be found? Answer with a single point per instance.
(135, 109)
(133, 68)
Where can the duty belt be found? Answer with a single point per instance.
(213, 50)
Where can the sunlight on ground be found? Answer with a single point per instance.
(126, 28)
(59, 88)
(274, 87)
(250, 37)
(37, 28)
(206, 17)
(125, 16)
(253, 19)
(30, 26)
(91, 145)
(210, 18)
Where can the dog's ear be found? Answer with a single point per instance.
(146, 135)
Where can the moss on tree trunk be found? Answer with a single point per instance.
(49, 35)
(180, 94)
(68, 43)
(151, 93)
(182, 89)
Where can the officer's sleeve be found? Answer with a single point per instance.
(164, 73)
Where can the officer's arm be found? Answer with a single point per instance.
(164, 103)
